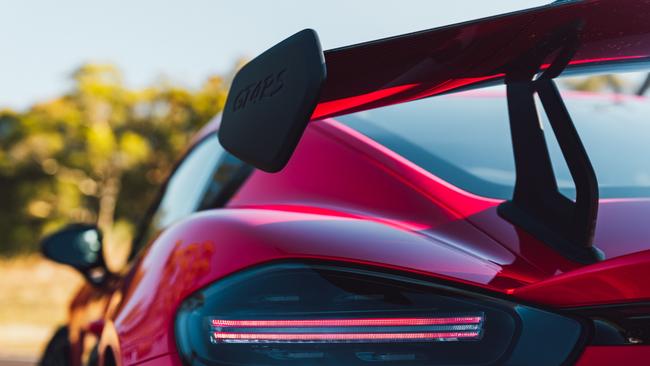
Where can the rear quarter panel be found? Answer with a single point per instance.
(213, 244)
(340, 198)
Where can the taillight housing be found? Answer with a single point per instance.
(314, 314)
(449, 328)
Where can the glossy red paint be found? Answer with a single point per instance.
(96, 327)
(608, 282)
(614, 355)
(360, 177)
(164, 360)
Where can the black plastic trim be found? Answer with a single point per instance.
(271, 101)
(617, 324)
(537, 206)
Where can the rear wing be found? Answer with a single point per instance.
(273, 98)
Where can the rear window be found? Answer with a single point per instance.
(464, 139)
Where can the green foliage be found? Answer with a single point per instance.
(598, 83)
(96, 154)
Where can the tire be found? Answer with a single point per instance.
(93, 359)
(57, 352)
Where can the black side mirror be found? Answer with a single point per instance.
(79, 246)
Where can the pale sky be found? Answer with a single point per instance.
(187, 40)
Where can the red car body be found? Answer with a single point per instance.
(345, 198)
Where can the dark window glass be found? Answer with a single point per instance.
(226, 179)
(189, 183)
(206, 178)
(465, 140)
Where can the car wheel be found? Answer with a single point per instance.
(57, 352)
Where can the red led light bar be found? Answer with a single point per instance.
(447, 328)
(378, 322)
(316, 337)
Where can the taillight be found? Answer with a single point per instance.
(294, 314)
(372, 330)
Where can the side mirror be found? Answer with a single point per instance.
(79, 246)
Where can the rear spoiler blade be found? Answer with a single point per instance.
(606, 35)
(266, 112)
(275, 96)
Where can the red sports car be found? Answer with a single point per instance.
(309, 226)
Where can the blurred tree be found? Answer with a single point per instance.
(96, 154)
(597, 83)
